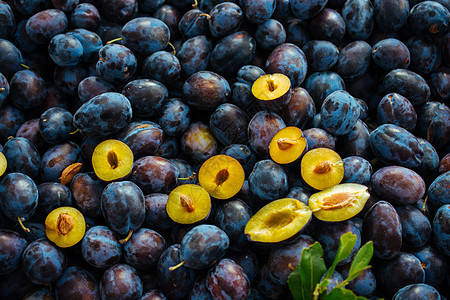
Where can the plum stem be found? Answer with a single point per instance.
(195, 5)
(73, 132)
(188, 178)
(177, 266)
(114, 40)
(205, 15)
(22, 225)
(25, 66)
(125, 240)
(174, 51)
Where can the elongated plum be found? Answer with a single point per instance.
(261, 129)
(22, 156)
(228, 280)
(416, 228)
(339, 113)
(77, 283)
(12, 246)
(121, 281)
(154, 174)
(441, 229)
(382, 225)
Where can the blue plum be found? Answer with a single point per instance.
(144, 249)
(55, 125)
(339, 113)
(22, 157)
(76, 283)
(100, 247)
(321, 84)
(116, 63)
(162, 66)
(357, 170)
(268, 180)
(57, 158)
(396, 109)
(358, 16)
(175, 117)
(441, 229)
(408, 84)
(120, 282)
(321, 55)
(45, 24)
(416, 228)
(428, 18)
(12, 246)
(353, 60)
(65, 50)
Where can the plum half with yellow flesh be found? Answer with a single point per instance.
(273, 91)
(65, 226)
(188, 204)
(288, 145)
(112, 160)
(322, 168)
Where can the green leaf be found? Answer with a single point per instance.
(303, 280)
(361, 261)
(341, 294)
(346, 245)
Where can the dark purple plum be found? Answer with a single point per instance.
(43, 262)
(225, 18)
(146, 96)
(146, 35)
(162, 66)
(321, 84)
(434, 264)
(390, 15)
(319, 138)
(328, 25)
(57, 158)
(416, 228)
(228, 280)
(68, 79)
(177, 283)
(382, 225)
(440, 85)
(355, 142)
(438, 191)
(261, 129)
(200, 291)
(169, 148)
(357, 170)
(408, 84)
(353, 60)
(87, 191)
(65, 5)
(229, 124)
(21, 39)
(282, 11)
(390, 54)
(270, 34)
(37, 231)
(243, 154)
(297, 32)
(194, 55)
(170, 15)
(22, 157)
(15, 285)
(433, 123)
(175, 117)
(93, 86)
(10, 58)
(268, 181)
(120, 11)
(321, 55)
(144, 248)
(154, 174)
(12, 246)
(428, 18)
(7, 21)
(104, 114)
(193, 23)
(155, 212)
(100, 247)
(396, 109)
(268, 287)
(90, 41)
(55, 125)
(300, 110)
(4, 88)
(358, 18)
(153, 295)
(249, 261)
(42, 293)
(121, 282)
(394, 144)
(402, 270)
(45, 24)
(398, 185)
(28, 8)
(116, 63)
(339, 113)
(52, 195)
(143, 138)
(258, 11)
(77, 283)
(85, 16)
(65, 50)
(123, 207)
(441, 229)
(426, 56)
(27, 89)
(417, 290)
(289, 60)
(429, 167)
(307, 9)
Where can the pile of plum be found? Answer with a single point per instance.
(171, 80)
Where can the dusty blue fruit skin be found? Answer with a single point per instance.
(116, 63)
(19, 196)
(10, 58)
(258, 11)
(123, 206)
(4, 89)
(261, 129)
(392, 275)
(162, 66)
(155, 212)
(100, 247)
(143, 249)
(358, 18)
(434, 263)
(90, 41)
(321, 84)
(170, 16)
(243, 154)
(121, 281)
(68, 79)
(418, 290)
(440, 85)
(328, 25)
(357, 170)
(232, 217)
(390, 54)
(76, 282)
(199, 290)
(364, 284)
(12, 245)
(191, 24)
(7, 23)
(429, 167)
(307, 9)
(57, 158)
(441, 230)
(318, 138)
(87, 191)
(146, 35)
(439, 192)
(194, 55)
(268, 287)
(395, 145)
(227, 280)
(85, 16)
(398, 185)
(408, 84)
(433, 123)
(339, 113)
(300, 110)
(426, 55)
(396, 109)
(229, 124)
(175, 117)
(22, 40)
(428, 18)
(382, 225)
(391, 15)
(65, 50)
(355, 142)
(268, 180)
(154, 174)
(225, 19)
(103, 115)
(51, 196)
(321, 55)
(43, 262)
(297, 33)
(143, 138)
(206, 90)
(249, 262)
(55, 125)
(93, 86)
(169, 148)
(146, 97)
(354, 60)
(203, 245)
(22, 157)
(27, 89)
(232, 52)
(416, 228)
(177, 283)
(44, 25)
(270, 34)
(289, 60)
